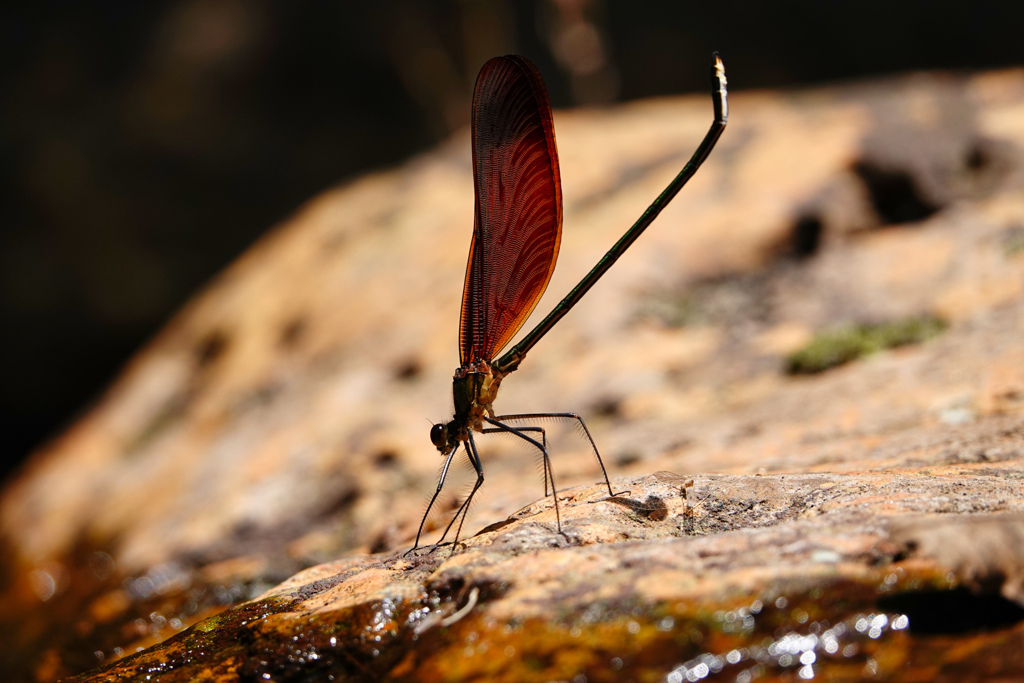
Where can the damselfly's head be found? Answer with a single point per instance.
(439, 436)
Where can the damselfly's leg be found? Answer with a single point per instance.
(586, 432)
(521, 433)
(543, 440)
(433, 499)
(474, 459)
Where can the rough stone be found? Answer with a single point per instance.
(238, 502)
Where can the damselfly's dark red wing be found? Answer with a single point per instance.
(518, 222)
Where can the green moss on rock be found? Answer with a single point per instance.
(832, 348)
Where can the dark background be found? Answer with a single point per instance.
(144, 145)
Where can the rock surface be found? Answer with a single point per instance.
(859, 522)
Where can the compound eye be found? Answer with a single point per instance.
(438, 435)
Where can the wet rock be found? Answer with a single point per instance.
(984, 551)
(764, 575)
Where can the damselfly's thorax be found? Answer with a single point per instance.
(474, 388)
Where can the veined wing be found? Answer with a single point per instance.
(518, 221)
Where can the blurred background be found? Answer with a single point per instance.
(143, 146)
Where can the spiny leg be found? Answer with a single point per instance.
(586, 432)
(547, 460)
(543, 440)
(474, 459)
(433, 499)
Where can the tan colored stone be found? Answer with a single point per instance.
(279, 422)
